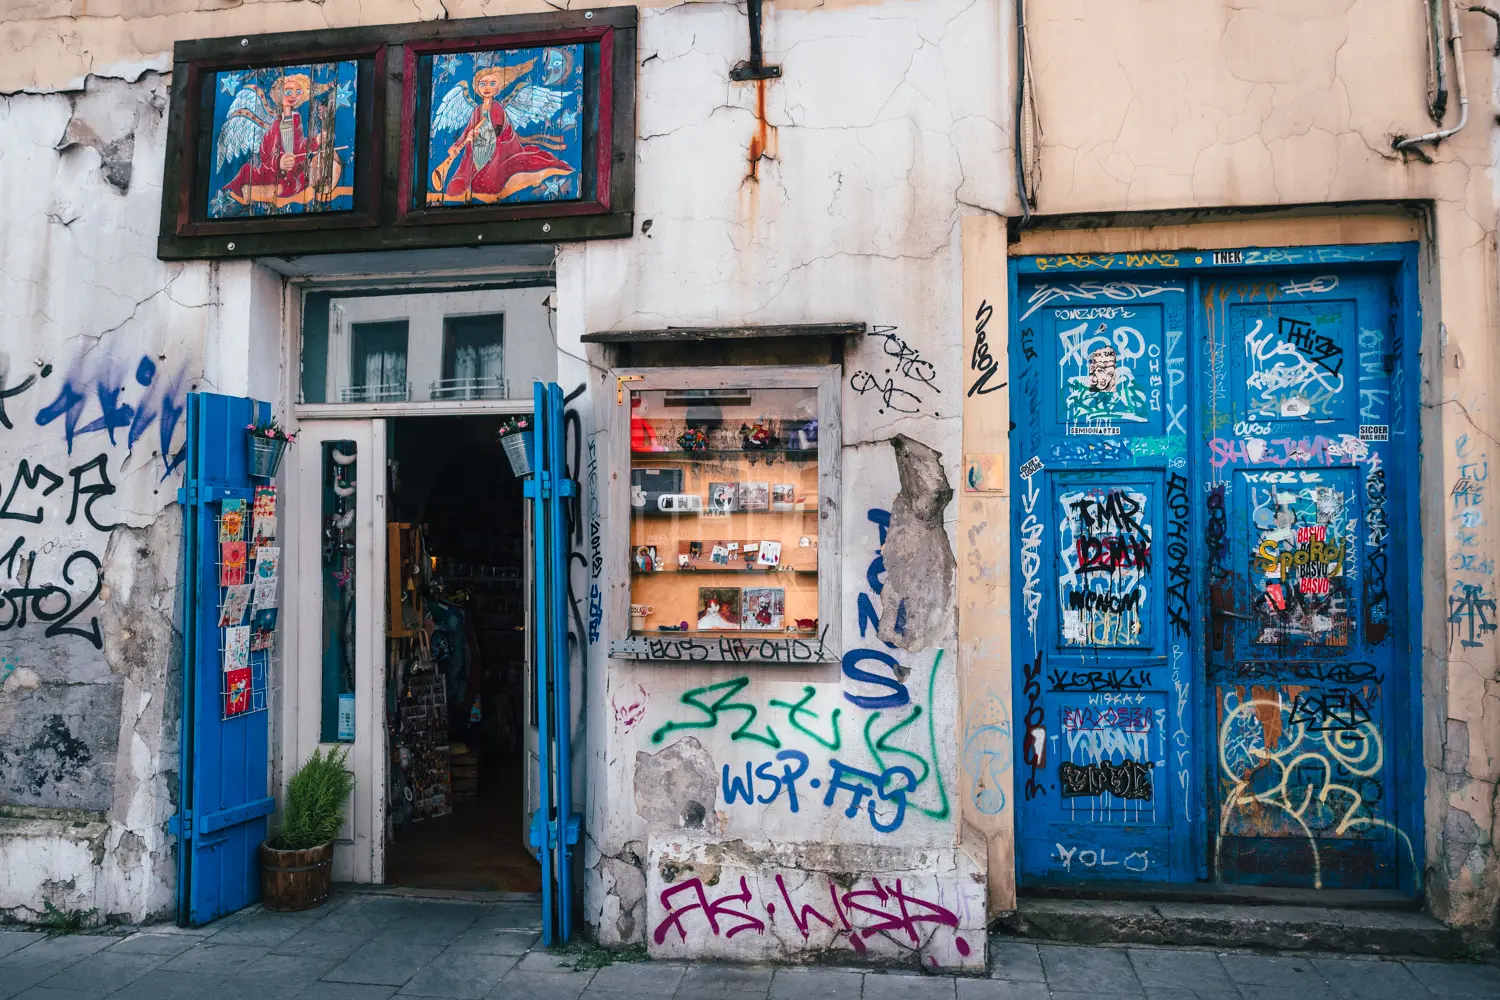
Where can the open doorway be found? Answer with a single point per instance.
(457, 656)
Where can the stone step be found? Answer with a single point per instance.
(1231, 925)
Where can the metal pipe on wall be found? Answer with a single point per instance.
(1456, 35)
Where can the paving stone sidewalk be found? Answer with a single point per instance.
(374, 947)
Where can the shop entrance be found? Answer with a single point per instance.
(457, 650)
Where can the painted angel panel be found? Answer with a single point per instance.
(283, 140)
(506, 126)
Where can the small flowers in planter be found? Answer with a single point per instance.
(514, 425)
(515, 436)
(267, 444)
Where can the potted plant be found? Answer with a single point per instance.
(515, 437)
(267, 443)
(296, 872)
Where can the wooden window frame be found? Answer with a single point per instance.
(384, 217)
(827, 648)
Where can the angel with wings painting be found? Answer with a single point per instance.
(476, 129)
(291, 140)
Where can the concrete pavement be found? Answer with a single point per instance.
(375, 947)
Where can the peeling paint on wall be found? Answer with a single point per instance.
(917, 610)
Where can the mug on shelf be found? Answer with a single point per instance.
(638, 614)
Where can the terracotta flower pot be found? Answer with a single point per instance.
(295, 880)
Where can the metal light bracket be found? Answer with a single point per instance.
(754, 68)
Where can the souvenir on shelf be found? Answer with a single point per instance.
(718, 608)
(765, 608)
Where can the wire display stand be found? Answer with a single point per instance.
(240, 694)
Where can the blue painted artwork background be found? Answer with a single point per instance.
(228, 86)
(557, 68)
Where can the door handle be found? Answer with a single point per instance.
(1223, 613)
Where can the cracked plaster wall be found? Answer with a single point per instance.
(833, 194)
(100, 345)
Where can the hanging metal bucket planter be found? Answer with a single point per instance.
(517, 445)
(265, 455)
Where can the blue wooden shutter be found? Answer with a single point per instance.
(222, 798)
(554, 826)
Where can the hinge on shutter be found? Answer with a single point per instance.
(187, 494)
(181, 825)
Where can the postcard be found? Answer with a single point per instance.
(232, 521)
(718, 608)
(231, 564)
(755, 496)
(765, 609)
(264, 510)
(723, 498)
(783, 496)
(232, 608)
(236, 647)
(236, 690)
(267, 563)
(265, 595)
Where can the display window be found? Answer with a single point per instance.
(732, 541)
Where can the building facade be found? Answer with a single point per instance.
(1032, 322)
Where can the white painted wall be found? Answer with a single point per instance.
(884, 129)
(107, 342)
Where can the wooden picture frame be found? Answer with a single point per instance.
(739, 646)
(390, 135)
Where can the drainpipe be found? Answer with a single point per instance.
(1493, 16)
(1437, 97)
(1455, 39)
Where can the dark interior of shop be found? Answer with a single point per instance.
(456, 660)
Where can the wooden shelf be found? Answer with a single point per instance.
(787, 453)
(643, 512)
(725, 633)
(763, 571)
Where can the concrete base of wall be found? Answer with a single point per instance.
(763, 902)
(1286, 928)
(36, 845)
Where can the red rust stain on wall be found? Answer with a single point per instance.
(763, 139)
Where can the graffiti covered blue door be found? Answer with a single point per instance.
(1212, 637)
(222, 795)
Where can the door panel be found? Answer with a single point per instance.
(223, 778)
(1105, 597)
(1213, 637)
(1300, 659)
(337, 621)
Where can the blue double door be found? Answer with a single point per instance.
(1214, 461)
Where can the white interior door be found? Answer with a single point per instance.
(528, 710)
(336, 625)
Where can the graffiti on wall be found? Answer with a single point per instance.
(915, 373)
(872, 910)
(1104, 543)
(1295, 370)
(1302, 561)
(55, 519)
(1472, 616)
(870, 755)
(1302, 762)
(123, 402)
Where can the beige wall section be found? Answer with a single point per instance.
(986, 730)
